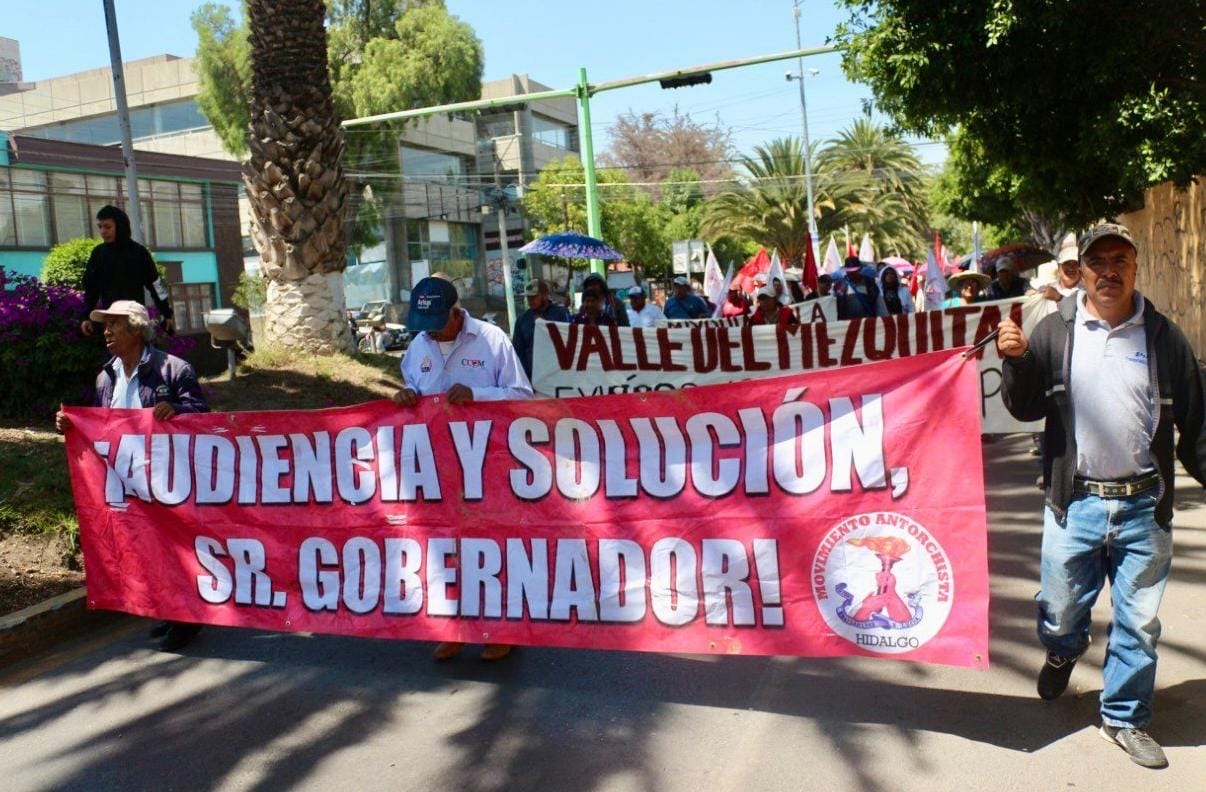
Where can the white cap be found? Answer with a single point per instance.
(766, 291)
(681, 280)
(128, 308)
(633, 291)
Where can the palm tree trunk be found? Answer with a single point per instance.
(294, 177)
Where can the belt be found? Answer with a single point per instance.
(1117, 489)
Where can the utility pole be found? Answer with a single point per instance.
(594, 224)
(123, 117)
(500, 204)
(812, 218)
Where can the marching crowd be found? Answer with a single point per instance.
(1112, 377)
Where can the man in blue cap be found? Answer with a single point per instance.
(464, 358)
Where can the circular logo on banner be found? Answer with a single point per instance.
(882, 582)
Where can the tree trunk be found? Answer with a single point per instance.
(294, 177)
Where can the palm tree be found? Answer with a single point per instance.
(873, 182)
(294, 176)
(770, 203)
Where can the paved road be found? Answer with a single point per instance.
(248, 710)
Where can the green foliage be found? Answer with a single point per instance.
(1069, 109)
(224, 74)
(382, 56)
(251, 292)
(870, 180)
(64, 265)
(769, 205)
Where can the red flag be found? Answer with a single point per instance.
(810, 267)
(939, 252)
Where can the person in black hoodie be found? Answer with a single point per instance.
(120, 269)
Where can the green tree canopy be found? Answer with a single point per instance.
(383, 56)
(1079, 106)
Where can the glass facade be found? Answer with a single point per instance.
(39, 209)
(457, 257)
(550, 133)
(432, 165)
(145, 121)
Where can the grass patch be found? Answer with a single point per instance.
(35, 490)
(275, 379)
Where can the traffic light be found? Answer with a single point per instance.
(702, 78)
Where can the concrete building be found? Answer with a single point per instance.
(427, 212)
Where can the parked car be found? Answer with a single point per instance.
(395, 336)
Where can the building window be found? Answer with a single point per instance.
(498, 126)
(190, 302)
(457, 257)
(146, 121)
(550, 133)
(39, 209)
(435, 166)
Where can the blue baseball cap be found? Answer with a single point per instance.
(431, 302)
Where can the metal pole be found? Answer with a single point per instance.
(123, 117)
(594, 226)
(500, 203)
(812, 218)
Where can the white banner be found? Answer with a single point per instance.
(580, 360)
(822, 309)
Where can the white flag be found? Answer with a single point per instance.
(713, 280)
(865, 251)
(935, 283)
(776, 271)
(833, 259)
(724, 292)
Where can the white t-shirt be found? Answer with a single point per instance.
(1113, 407)
(648, 316)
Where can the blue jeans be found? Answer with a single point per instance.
(1118, 539)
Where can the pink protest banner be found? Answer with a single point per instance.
(833, 513)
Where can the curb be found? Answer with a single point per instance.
(49, 622)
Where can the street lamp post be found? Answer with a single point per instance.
(799, 76)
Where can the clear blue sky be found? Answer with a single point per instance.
(549, 41)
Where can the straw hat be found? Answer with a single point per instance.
(957, 280)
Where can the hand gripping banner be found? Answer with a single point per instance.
(833, 513)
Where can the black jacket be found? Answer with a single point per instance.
(120, 271)
(523, 336)
(1035, 386)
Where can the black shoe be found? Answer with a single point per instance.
(159, 629)
(1137, 743)
(178, 636)
(1053, 678)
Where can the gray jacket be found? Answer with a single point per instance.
(1035, 386)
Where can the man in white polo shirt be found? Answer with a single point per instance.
(467, 359)
(641, 312)
(1112, 377)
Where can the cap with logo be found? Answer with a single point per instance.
(431, 302)
(634, 291)
(127, 308)
(1102, 231)
(1068, 251)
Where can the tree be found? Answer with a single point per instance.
(1080, 105)
(650, 147)
(871, 181)
(970, 188)
(382, 56)
(64, 265)
(223, 74)
(631, 221)
(294, 176)
(770, 203)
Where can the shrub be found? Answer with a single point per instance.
(251, 293)
(65, 263)
(44, 359)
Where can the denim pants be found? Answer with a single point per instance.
(1115, 539)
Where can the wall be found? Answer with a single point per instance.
(1170, 232)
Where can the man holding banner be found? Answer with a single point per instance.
(464, 358)
(1112, 376)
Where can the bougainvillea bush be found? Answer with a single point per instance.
(44, 358)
